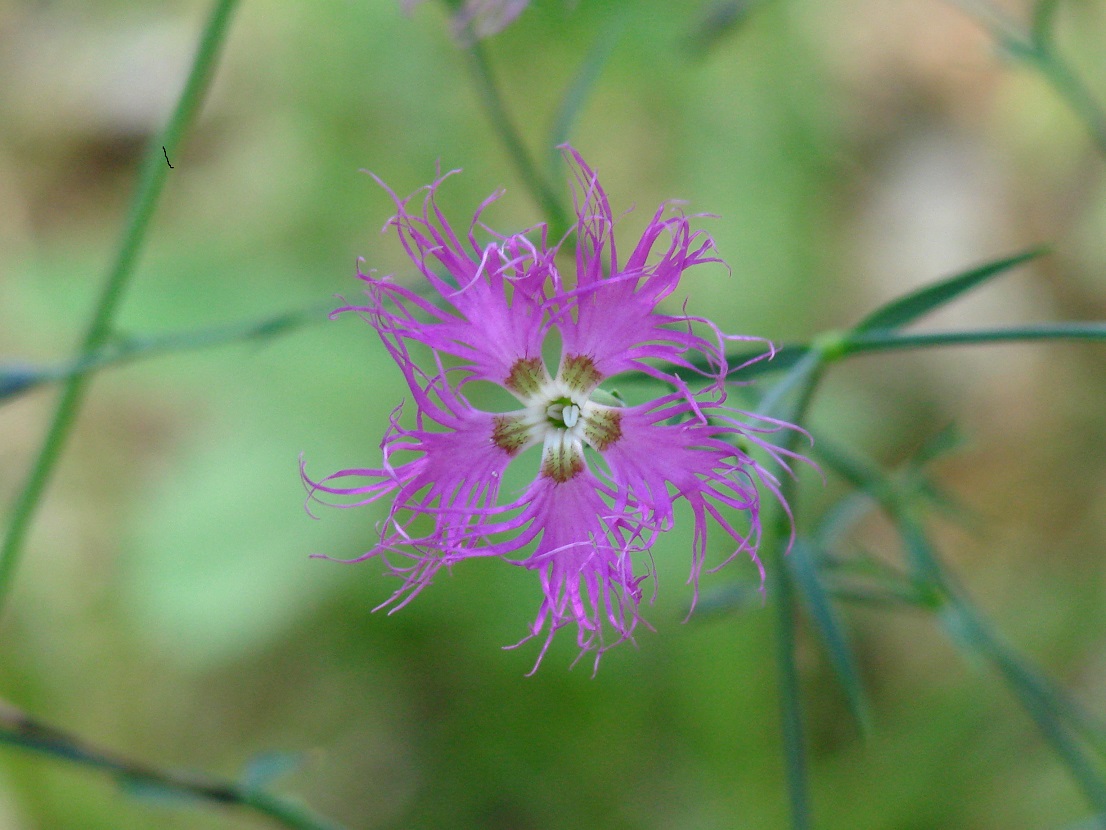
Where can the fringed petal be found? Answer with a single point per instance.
(490, 310)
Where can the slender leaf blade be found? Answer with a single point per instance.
(910, 307)
(832, 631)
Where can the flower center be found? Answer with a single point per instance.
(562, 413)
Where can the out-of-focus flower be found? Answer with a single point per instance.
(609, 473)
(477, 19)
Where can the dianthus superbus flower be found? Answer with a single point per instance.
(609, 474)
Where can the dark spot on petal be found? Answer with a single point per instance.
(603, 428)
(526, 376)
(510, 433)
(579, 373)
(562, 463)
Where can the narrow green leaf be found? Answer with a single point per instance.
(1056, 714)
(831, 629)
(862, 577)
(943, 442)
(1037, 697)
(856, 470)
(925, 569)
(910, 307)
(916, 483)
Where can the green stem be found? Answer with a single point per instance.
(1036, 699)
(151, 180)
(496, 109)
(1035, 48)
(806, 376)
(121, 352)
(871, 341)
(1060, 719)
(791, 712)
(1041, 53)
(19, 729)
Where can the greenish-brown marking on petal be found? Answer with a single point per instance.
(510, 433)
(526, 377)
(579, 373)
(603, 428)
(562, 462)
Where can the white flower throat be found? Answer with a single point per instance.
(559, 414)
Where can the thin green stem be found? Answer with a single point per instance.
(1060, 719)
(150, 183)
(871, 341)
(127, 350)
(1042, 53)
(791, 712)
(837, 345)
(1035, 47)
(805, 376)
(1035, 697)
(19, 729)
(490, 96)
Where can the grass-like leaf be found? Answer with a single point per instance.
(831, 629)
(908, 308)
(1062, 721)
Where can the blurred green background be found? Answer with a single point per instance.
(851, 149)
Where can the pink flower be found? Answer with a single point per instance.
(609, 473)
(476, 19)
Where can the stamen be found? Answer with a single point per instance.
(571, 415)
